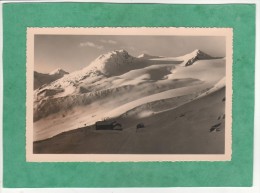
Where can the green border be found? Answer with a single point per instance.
(18, 173)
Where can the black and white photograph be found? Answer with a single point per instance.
(129, 92)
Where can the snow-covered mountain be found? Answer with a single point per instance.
(108, 65)
(147, 56)
(58, 72)
(113, 63)
(192, 57)
(115, 82)
(41, 78)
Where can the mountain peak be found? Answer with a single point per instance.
(121, 51)
(195, 55)
(115, 53)
(111, 63)
(143, 55)
(58, 71)
(147, 56)
(197, 51)
(200, 53)
(42, 78)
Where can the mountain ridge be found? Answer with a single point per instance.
(41, 79)
(118, 77)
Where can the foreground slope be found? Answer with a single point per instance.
(182, 130)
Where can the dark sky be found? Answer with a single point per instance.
(74, 52)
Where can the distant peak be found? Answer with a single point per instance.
(147, 56)
(111, 63)
(121, 51)
(198, 54)
(58, 71)
(195, 55)
(117, 52)
(143, 55)
(197, 51)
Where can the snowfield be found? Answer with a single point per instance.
(174, 97)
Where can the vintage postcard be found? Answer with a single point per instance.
(129, 94)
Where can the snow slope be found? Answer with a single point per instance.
(182, 130)
(147, 56)
(117, 84)
(192, 57)
(41, 79)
